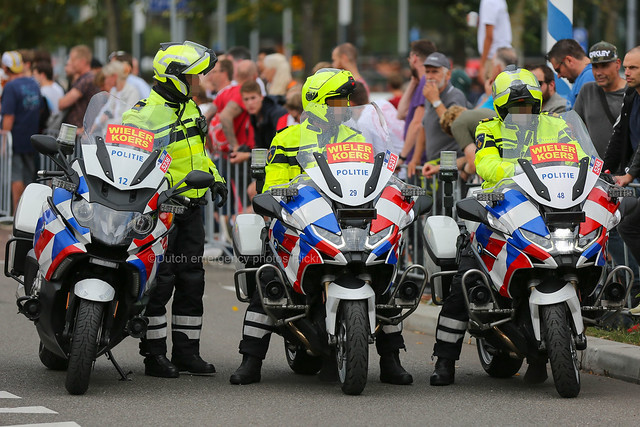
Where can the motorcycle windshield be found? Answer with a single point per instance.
(347, 151)
(555, 161)
(126, 156)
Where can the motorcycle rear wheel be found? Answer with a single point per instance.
(561, 349)
(498, 364)
(300, 361)
(51, 360)
(352, 348)
(84, 345)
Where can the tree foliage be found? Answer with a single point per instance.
(43, 23)
(51, 23)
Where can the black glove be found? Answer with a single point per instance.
(219, 189)
(608, 178)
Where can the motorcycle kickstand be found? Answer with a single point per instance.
(123, 376)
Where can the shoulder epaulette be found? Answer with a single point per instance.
(140, 104)
(488, 119)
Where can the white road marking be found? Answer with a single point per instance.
(7, 395)
(229, 288)
(27, 410)
(60, 424)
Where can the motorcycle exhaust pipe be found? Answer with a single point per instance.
(137, 326)
(30, 307)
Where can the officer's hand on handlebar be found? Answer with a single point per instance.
(608, 178)
(219, 189)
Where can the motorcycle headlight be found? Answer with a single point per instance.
(541, 241)
(82, 211)
(381, 235)
(110, 226)
(143, 224)
(335, 239)
(355, 239)
(588, 239)
(563, 240)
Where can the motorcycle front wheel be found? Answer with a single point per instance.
(352, 347)
(496, 363)
(300, 361)
(561, 349)
(84, 345)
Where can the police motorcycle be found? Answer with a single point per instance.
(85, 251)
(334, 236)
(539, 238)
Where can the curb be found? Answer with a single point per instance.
(601, 357)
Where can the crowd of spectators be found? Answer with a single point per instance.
(246, 101)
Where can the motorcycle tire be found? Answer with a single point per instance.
(51, 360)
(84, 345)
(495, 363)
(561, 349)
(352, 347)
(300, 361)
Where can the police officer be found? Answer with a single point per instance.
(180, 129)
(514, 91)
(327, 87)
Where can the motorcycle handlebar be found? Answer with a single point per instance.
(49, 174)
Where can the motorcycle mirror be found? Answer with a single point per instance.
(265, 204)
(45, 144)
(199, 179)
(423, 205)
(470, 209)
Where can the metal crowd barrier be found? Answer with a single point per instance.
(218, 222)
(6, 152)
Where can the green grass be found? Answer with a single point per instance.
(627, 336)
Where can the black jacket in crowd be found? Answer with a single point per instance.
(264, 126)
(619, 158)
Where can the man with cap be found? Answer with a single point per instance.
(21, 105)
(439, 95)
(569, 61)
(622, 157)
(602, 96)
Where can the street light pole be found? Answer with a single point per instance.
(403, 27)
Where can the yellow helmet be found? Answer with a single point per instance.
(324, 84)
(516, 86)
(174, 60)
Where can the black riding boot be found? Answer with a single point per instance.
(391, 371)
(193, 364)
(158, 365)
(248, 372)
(444, 373)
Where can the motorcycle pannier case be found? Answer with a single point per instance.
(24, 226)
(440, 234)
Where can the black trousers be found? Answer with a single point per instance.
(257, 328)
(453, 318)
(181, 275)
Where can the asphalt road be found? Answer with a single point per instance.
(282, 398)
